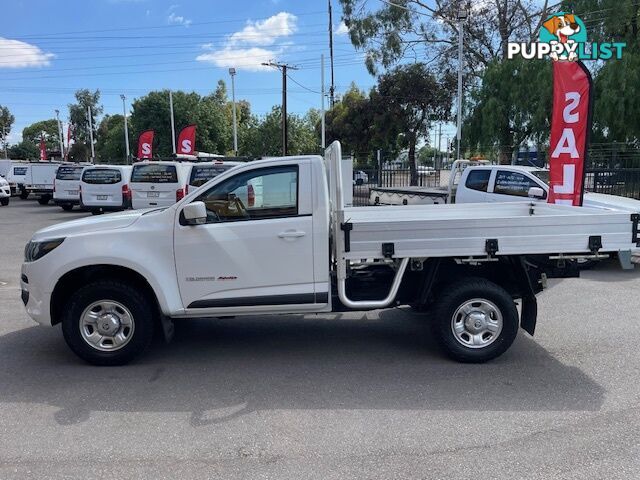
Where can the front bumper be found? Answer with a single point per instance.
(36, 301)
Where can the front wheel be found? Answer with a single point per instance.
(475, 320)
(24, 194)
(67, 207)
(4, 202)
(44, 200)
(108, 322)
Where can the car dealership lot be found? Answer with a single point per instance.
(335, 396)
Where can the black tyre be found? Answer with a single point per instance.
(67, 208)
(475, 320)
(44, 200)
(108, 322)
(24, 194)
(359, 181)
(4, 202)
(96, 212)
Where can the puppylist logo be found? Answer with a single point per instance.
(563, 36)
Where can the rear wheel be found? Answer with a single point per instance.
(44, 200)
(4, 202)
(108, 322)
(24, 194)
(67, 208)
(475, 321)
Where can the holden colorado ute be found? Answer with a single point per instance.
(110, 281)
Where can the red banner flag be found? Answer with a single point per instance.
(43, 149)
(145, 144)
(570, 128)
(187, 140)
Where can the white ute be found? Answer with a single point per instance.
(110, 281)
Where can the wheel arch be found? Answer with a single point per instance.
(71, 280)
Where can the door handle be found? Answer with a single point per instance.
(291, 234)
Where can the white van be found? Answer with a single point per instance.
(105, 188)
(201, 173)
(17, 177)
(66, 186)
(158, 184)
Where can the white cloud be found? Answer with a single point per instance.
(174, 19)
(17, 54)
(341, 29)
(258, 42)
(266, 32)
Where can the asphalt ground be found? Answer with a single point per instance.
(325, 397)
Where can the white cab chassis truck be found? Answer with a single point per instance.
(112, 280)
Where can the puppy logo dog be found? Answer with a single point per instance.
(563, 26)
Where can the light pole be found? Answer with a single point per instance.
(126, 128)
(462, 16)
(173, 124)
(4, 140)
(232, 72)
(60, 134)
(90, 118)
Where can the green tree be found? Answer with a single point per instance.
(406, 100)
(352, 122)
(46, 128)
(512, 106)
(78, 116)
(25, 150)
(6, 122)
(110, 146)
(410, 29)
(208, 113)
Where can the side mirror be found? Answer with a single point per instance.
(195, 213)
(536, 192)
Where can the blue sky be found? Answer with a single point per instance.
(49, 49)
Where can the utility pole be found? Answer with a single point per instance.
(126, 129)
(332, 88)
(93, 153)
(232, 72)
(283, 68)
(60, 135)
(323, 142)
(439, 143)
(462, 16)
(173, 125)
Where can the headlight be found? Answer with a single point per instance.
(35, 250)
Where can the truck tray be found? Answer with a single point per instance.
(520, 228)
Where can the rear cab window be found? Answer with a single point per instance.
(69, 172)
(201, 174)
(102, 176)
(154, 173)
(478, 180)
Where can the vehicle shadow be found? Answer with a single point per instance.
(222, 369)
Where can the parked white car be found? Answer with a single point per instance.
(5, 192)
(158, 184)
(115, 280)
(66, 186)
(105, 188)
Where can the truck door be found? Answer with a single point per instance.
(255, 253)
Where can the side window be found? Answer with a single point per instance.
(255, 195)
(513, 183)
(478, 180)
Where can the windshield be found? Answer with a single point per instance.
(542, 175)
(69, 173)
(201, 174)
(101, 176)
(154, 173)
